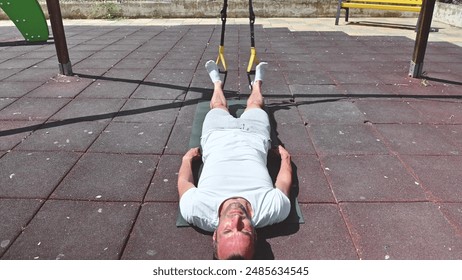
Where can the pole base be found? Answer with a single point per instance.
(66, 69)
(415, 69)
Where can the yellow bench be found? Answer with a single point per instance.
(396, 5)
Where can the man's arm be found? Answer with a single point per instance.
(185, 175)
(284, 178)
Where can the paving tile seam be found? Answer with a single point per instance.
(23, 227)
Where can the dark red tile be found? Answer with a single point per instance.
(331, 112)
(294, 138)
(17, 89)
(283, 111)
(316, 91)
(143, 111)
(401, 231)
(371, 178)
(417, 139)
(324, 236)
(155, 236)
(148, 90)
(90, 109)
(178, 142)
(147, 138)
(6, 101)
(62, 136)
(164, 184)
(61, 87)
(440, 176)
(108, 89)
(42, 170)
(440, 112)
(345, 140)
(309, 177)
(108, 177)
(453, 133)
(32, 109)
(14, 132)
(389, 111)
(15, 215)
(453, 213)
(75, 230)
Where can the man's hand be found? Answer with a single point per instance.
(192, 154)
(185, 175)
(283, 153)
(284, 178)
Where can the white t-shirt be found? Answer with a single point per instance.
(234, 166)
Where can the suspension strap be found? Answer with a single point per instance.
(221, 48)
(253, 60)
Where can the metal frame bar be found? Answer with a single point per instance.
(59, 37)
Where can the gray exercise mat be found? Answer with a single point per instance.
(236, 108)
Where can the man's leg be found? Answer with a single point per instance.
(256, 97)
(218, 98)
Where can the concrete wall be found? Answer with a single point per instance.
(205, 8)
(447, 13)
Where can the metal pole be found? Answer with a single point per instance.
(56, 20)
(424, 26)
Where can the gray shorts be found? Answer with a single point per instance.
(253, 120)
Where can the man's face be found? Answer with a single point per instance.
(235, 234)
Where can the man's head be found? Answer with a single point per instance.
(235, 236)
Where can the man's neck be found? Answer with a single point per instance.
(241, 200)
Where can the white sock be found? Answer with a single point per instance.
(260, 71)
(212, 69)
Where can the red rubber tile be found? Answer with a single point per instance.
(17, 175)
(440, 176)
(178, 142)
(371, 178)
(440, 112)
(32, 109)
(149, 90)
(59, 136)
(401, 231)
(108, 177)
(164, 184)
(17, 89)
(331, 112)
(75, 230)
(316, 91)
(389, 111)
(13, 132)
(417, 139)
(6, 101)
(15, 214)
(452, 212)
(312, 184)
(144, 111)
(144, 138)
(345, 140)
(61, 87)
(90, 109)
(155, 236)
(108, 89)
(283, 112)
(324, 236)
(453, 133)
(294, 138)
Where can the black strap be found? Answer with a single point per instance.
(223, 22)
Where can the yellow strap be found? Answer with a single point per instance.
(381, 7)
(253, 59)
(396, 2)
(221, 57)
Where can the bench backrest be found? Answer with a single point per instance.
(401, 2)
